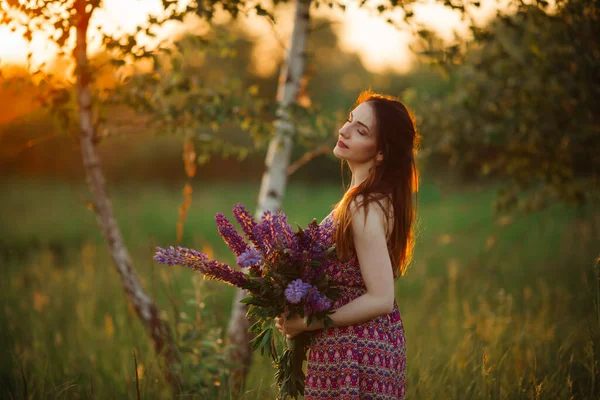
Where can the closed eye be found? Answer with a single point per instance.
(349, 120)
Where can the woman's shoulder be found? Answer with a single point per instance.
(378, 203)
(373, 201)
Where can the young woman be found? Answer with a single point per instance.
(363, 355)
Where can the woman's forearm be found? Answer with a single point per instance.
(361, 309)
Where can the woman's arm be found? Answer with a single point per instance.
(375, 267)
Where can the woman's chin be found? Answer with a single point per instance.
(339, 152)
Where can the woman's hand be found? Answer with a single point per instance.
(295, 325)
(290, 327)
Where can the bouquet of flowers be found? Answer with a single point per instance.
(283, 272)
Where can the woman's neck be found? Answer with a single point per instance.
(359, 173)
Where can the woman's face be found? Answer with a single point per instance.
(357, 142)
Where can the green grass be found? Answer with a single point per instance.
(493, 307)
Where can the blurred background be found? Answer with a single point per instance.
(501, 299)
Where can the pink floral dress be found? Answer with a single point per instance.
(363, 361)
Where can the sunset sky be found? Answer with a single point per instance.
(359, 30)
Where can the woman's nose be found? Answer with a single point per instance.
(343, 131)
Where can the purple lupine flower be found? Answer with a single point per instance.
(263, 235)
(328, 228)
(259, 242)
(311, 244)
(245, 219)
(322, 304)
(284, 232)
(315, 301)
(230, 235)
(268, 227)
(316, 237)
(271, 233)
(177, 256)
(296, 290)
(199, 262)
(311, 272)
(300, 246)
(248, 258)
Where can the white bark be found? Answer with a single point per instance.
(275, 176)
(143, 305)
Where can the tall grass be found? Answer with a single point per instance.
(493, 307)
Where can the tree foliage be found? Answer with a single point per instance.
(57, 20)
(523, 102)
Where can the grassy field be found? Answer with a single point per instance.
(494, 307)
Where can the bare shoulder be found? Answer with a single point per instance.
(375, 215)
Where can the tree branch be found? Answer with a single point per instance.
(308, 156)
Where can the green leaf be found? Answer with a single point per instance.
(257, 340)
(254, 301)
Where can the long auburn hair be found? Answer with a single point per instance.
(394, 179)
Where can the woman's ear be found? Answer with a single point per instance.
(379, 157)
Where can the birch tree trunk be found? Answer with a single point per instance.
(144, 306)
(274, 178)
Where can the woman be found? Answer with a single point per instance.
(363, 355)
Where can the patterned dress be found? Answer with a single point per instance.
(363, 361)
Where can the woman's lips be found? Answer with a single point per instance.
(342, 145)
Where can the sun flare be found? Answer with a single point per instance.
(379, 45)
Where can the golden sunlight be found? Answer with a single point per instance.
(379, 45)
(15, 48)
